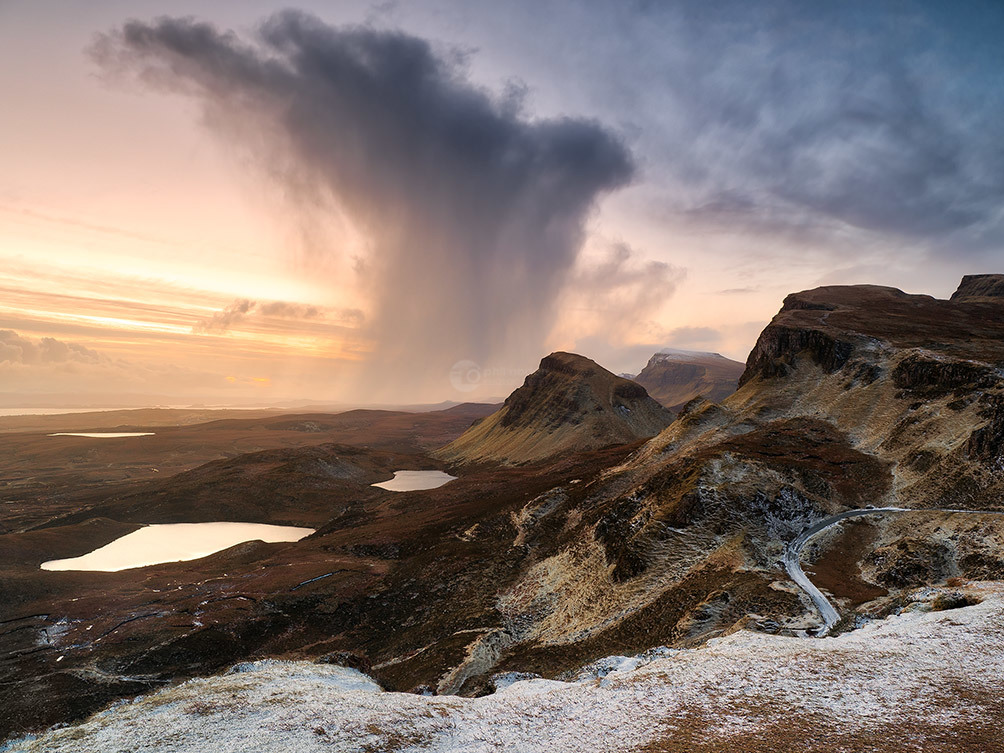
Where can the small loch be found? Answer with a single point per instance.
(413, 481)
(102, 434)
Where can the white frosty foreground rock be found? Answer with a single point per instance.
(918, 681)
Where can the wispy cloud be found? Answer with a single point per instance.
(617, 293)
(81, 224)
(223, 320)
(117, 332)
(243, 310)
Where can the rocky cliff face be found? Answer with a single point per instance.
(975, 287)
(913, 380)
(569, 404)
(675, 377)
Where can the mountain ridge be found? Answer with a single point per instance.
(675, 377)
(570, 403)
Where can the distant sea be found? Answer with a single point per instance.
(58, 411)
(55, 411)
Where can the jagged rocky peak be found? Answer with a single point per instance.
(675, 377)
(565, 385)
(977, 287)
(569, 404)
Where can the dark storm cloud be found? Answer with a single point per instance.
(795, 118)
(475, 213)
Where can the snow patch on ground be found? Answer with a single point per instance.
(929, 671)
(675, 354)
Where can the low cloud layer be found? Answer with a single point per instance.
(15, 349)
(474, 213)
(67, 373)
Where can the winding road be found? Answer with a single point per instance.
(793, 554)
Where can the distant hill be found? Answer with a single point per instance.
(979, 288)
(570, 404)
(675, 377)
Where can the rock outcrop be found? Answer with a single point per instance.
(828, 324)
(675, 377)
(569, 404)
(976, 287)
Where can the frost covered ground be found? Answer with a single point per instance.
(920, 681)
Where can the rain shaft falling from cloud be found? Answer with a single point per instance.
(474, 213)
